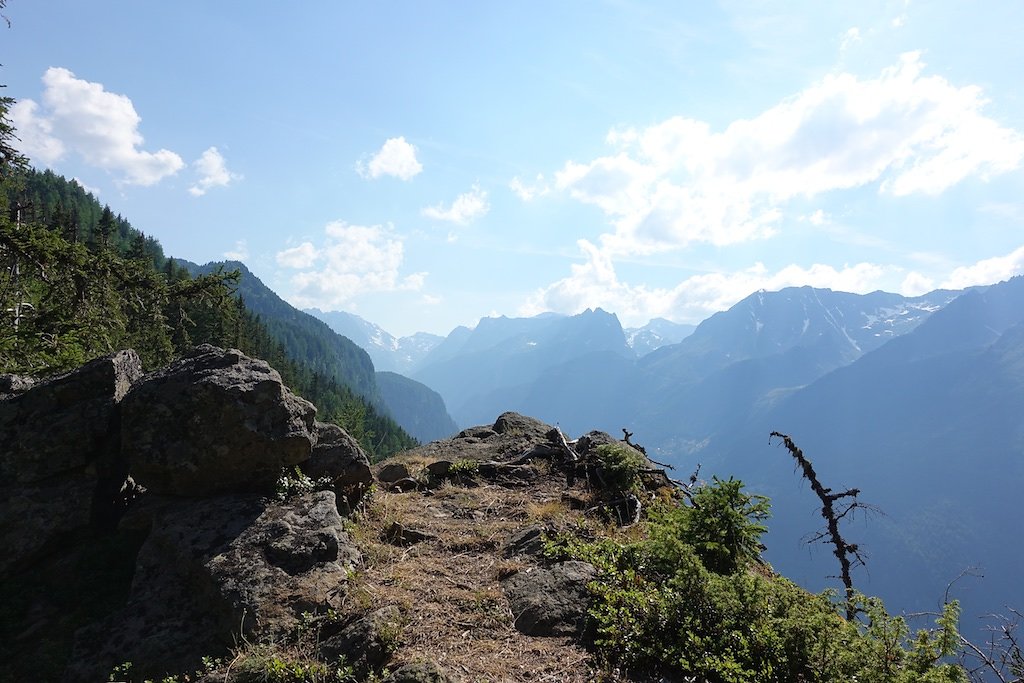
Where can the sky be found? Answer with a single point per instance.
(425, 164)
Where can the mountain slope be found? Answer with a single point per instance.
(503, 354)
(390, 353)
(656, 334)
(419, 409)
(928, 427)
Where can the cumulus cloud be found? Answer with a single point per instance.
(987, 271)
(99, 126)
(916, 284)
(528, 193)
(680, 182)
(396, 158)
(466, 208)
(352, 260)
(213, 172)
(595, 283)
(239, 253)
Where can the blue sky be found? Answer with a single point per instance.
(424, 164)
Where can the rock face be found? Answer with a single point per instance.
(207, 436)
(551, 602)
(215, 567)
(215, 421)
(338, 457)
(60, 464)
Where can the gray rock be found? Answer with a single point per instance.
(551, 602)
(439, 469)
(60, 464)
(215, 421)
(63, 423)
(392, 472)
(418, 672)
(338, 457)
(521, 425)
(404, 485)
(399, 534)
(528, 541)
(368, 643)
(476, 433)
(213, 570)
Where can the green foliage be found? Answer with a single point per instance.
(297, 483)
(689, 601)
(463, 467)
(620, 466)
(724, 525)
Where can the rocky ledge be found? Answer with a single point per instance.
(438, 574)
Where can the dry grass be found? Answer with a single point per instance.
(449, 588)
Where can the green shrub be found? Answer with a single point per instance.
(620, 466)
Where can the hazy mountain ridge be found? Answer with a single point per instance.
(655, 334)
(389, 353)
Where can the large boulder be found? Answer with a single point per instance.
(60, 464)
(338, 457)
(553, 601)
(65, 423)
(214, 421)
(215, 570)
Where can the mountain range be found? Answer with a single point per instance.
(913, 400)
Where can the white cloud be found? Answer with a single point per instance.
(466, 208)
(850, 38)
(987, 271)
(818, 218)
(595, 283)
(528, 193)
(353, 260)
(101, 127)
(302, 256)
(213, 172)
(431, 300)
(678, 182)
(239, 253)
(916, 284)
(396, 158)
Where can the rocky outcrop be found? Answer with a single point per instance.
(215, 421)
(60, 464)
(552, 601)
(338, 457)
(208, 436)
(216, 569)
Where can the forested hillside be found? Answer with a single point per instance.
(79, 282)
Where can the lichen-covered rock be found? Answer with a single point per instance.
(338, 457)
(551, 602)
(366, 643)
(214, 569)
(215, 421)
(60, 464)
(64, 423)
(392, 472)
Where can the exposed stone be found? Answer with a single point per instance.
(507, 474)
(338, 457)
(400, 534)
(404, 485)
(476, 433)
(515, 424)
(368, 643)
(551, 602)
(392, 472)
(60, 463)
(528, 541)
(418, 672)
(63, 423)
(589, 442)
(214, 569)
(439, 469)
(215, 421)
